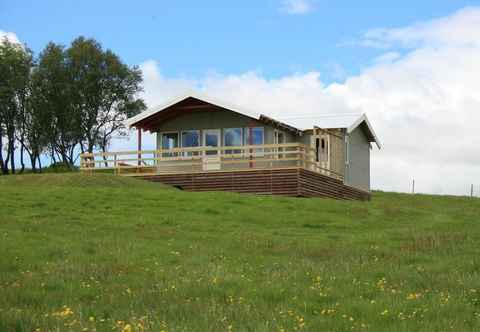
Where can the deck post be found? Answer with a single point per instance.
(250, 142)
(139, 142)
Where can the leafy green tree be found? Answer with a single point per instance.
(15, 66)
(54, 113)
(70, 100)
(104, 92)
(33, 127)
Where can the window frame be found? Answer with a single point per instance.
(190, 153)
(204, 140)
(247, 129)
(258, 152)
(325, 149)
(170, 154)
(233, 151)
(278, 151)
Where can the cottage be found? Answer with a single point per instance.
(204, 144)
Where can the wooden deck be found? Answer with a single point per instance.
(295, 182)
(276, 169)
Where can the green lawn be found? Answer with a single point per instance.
(105, 253)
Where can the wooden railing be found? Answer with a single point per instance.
(206, 159)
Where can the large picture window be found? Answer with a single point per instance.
(170, 140)
(255, 136)
(232, 137)
(190, 139)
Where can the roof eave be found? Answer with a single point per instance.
(361, 120)
(133, 121)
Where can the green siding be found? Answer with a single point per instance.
(218, 120)
(357, 172)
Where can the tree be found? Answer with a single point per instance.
(33, 127)
(15, 66)
(70, 100)
(104, 92)
(52, 85)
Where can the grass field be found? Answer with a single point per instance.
(104, 253)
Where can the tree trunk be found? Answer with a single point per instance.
(11, 147)
(33, 162)
(52, 156)
(104, 150)
(3, 166)
(39, 164)
(22, 163)
(7, 160)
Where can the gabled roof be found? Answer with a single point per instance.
(296, 123)
(154, 110)
(348, 121)
(363, 120)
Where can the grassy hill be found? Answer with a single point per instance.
(104, 253)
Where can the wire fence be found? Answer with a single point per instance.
(471, 190)
(475, 190)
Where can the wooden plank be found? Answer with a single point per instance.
(314, 185)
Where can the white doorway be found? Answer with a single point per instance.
(278, 138)
(211, 158)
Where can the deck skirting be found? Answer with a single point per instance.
(296, 182)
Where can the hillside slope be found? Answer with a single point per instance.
(102, 253)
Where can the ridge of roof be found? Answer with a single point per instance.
(364, 119)
(190, 94)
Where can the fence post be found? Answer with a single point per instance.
(471, 190)
(413, 186)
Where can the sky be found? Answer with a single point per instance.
(412, 66)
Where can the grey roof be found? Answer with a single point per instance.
(331, 121)
(348, 121)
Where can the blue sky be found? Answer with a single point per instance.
(191, 38)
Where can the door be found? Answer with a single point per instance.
(278, 138)
(321, 144)
(211, 158)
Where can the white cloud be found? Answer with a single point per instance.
(12, 37)
(296, 7)
(459, 29)
(424, 103)
(388, 57)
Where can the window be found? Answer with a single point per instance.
(256, 137)
(170, 140)
(211, 138)
(278, 137)
(190, 139)
(324, 150)
(232, 137)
